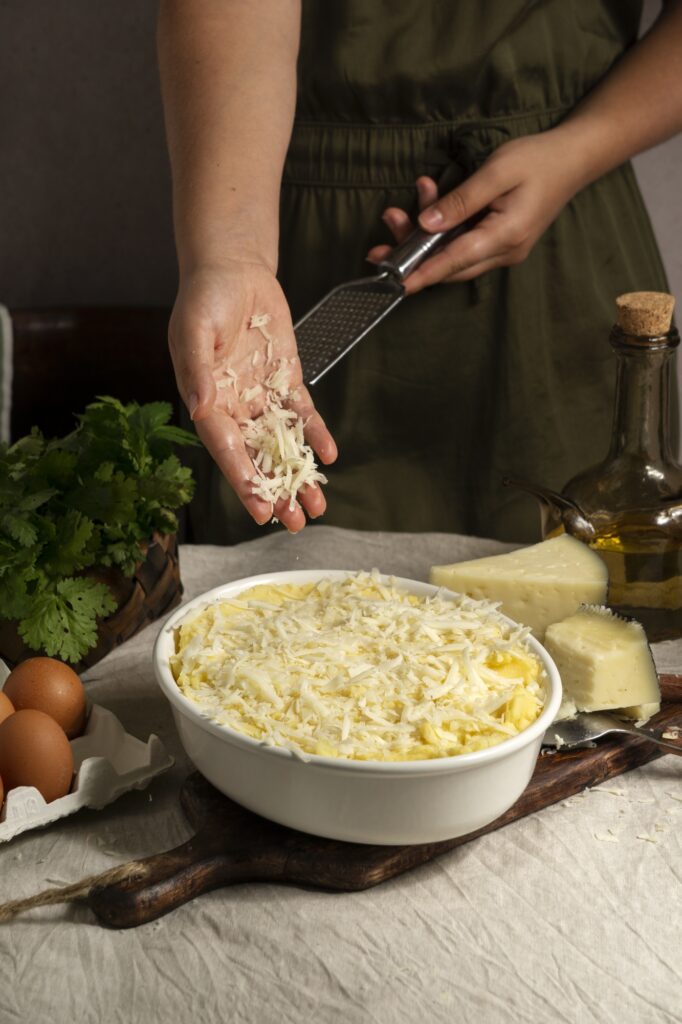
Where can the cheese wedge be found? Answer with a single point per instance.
(605, 664)
(536, 585)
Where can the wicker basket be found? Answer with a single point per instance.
(150, 593)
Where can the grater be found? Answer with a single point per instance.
(348, 312)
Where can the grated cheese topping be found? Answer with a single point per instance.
(359, 668)
(284, 464)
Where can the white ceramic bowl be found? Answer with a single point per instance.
(361, 801)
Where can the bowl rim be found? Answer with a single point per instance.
(164, 646)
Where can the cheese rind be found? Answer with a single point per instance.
(605, 664)
(536, 585)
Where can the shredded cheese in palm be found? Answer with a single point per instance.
(283, 462)
(358, 668)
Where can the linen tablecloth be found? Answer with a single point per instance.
(570, 915)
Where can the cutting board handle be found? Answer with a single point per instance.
(232, 845)
(167, 880)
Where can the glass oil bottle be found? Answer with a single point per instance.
(632, 500)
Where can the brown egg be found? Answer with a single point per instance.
(2, 794)
(6, 706)
(44, 684)
(34, 751)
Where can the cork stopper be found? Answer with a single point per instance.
(645, 314)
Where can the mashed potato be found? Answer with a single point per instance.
(356, 668)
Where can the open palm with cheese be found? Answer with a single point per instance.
(356, 668)
(237, 369)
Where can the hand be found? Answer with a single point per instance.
(209, 333)
(523, 186)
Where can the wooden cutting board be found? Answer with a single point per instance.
(233, 845)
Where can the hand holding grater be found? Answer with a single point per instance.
(348, 312)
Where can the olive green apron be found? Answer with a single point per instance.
(463, 384)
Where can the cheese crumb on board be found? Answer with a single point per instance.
(606, 837)
(358, 668)
(605, 664)
(283, 463)
(536, 585)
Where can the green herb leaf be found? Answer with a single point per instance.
(124, 554)
(33, 501)
(176, 435)
(20, 530)
(170, 484)
(150, 417)
(63, 620)
(56, 468)
(26, 448)
(109, 496)
(70, 550)
(16, 592)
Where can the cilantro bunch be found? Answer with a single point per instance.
(90, 499)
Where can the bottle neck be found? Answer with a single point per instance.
(641, 424)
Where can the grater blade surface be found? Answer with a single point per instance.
(341, 319)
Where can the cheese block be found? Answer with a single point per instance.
(536, 585)
(605, 664)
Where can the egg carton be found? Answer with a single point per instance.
(108, 762)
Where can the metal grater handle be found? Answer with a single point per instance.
(407, 256)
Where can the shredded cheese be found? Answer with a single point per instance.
(284, 464)
(358, 668)
(248, 394)
(261, 321)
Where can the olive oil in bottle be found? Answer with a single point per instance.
(633, 498)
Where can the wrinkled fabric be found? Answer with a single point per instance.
(463, 384)
(539, 922)
(406, 62)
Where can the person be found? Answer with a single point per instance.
(296, 135)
